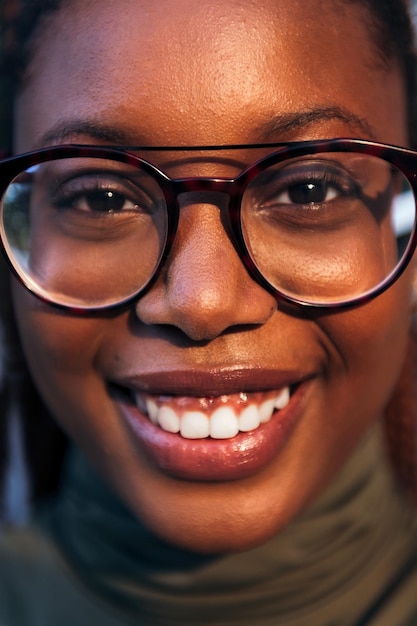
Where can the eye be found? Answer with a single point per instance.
(98, 196)
(308, 192)
(103, 201)
(93, 204)
(305, 185)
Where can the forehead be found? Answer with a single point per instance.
(201, 61)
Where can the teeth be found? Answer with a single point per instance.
(282, 398)
(224, 423)
(265, 411)
(249, 419)
(151, 409)
(236, 413)
(195, 425)
(168, 420)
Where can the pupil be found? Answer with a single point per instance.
(105, 202)
(309, 192)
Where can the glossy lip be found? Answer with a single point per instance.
(215, 459)
(215, 382)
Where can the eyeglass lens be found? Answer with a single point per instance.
(85, 231)
(322, 228)
(328, 227)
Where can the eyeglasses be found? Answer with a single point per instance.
(317, 223)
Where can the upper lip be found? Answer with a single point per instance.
(214, 382)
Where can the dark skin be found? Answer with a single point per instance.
(134, 71)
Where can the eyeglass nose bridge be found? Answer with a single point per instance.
(198, 190)
(183, 192)
(202, 185)
(224, 193)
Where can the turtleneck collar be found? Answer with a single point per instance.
(324, 569)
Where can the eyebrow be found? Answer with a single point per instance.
(66, 130)
(278, 126)
(287, 123)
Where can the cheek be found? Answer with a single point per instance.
(61, 354)
(54, 345)
(371, 342)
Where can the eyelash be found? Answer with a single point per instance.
(67, 198)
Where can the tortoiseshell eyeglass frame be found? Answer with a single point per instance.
(405, 160)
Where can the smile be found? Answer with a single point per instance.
(221, 417)
(225, 434)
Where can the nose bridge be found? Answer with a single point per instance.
(204, 287)
(205, 215)
(205, 248)
(197, 194)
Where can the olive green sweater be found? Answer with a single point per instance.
(351, 560)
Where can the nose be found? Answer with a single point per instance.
(204, 289)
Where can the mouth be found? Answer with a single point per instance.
(213, 437)
(217, 417)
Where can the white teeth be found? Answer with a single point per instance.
(265, 411)
(249, 419)
(224, 423)
(283, 398)
(168, 420)
(242, 412)
(152, 410)
(195, 425)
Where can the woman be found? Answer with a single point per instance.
(227, 375)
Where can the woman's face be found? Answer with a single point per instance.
(212, 72)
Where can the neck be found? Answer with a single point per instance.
(337, 550)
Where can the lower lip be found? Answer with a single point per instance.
(216, 459)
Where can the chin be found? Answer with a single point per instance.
(215, 541)
(215, 529)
